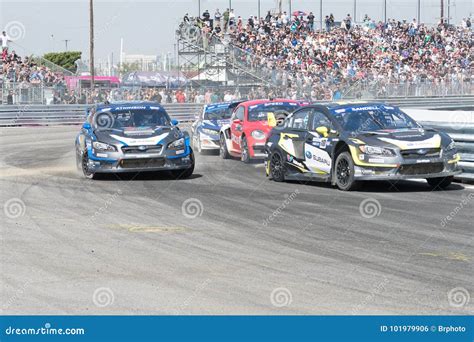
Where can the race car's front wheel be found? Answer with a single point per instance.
(344, 172)
(223, 152)
(277, 167)
(440, 182)
(85, 166)
(186, 173)
(245, 154)
(197, 143)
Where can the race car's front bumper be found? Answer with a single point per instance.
(437, 169)
(257, 151)
(137, 163)
(209, 142)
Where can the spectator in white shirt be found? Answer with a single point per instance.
(5, 39)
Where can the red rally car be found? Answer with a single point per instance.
(244, 137)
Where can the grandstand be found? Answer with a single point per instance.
(291, 58)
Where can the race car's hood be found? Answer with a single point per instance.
(404, 139)
(215, 124)
(135, 136)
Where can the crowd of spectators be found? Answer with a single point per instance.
(25, 72)
(161, 95)
(324, 63)
(295, 56)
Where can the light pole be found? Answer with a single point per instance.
(449, 12)
(442, 11)
(355, 11)
(385, 11)
(258, 10)
(91, 42)
(66, 41)
(321, 13)
(419, 12)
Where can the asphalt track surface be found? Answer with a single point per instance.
(128, 246)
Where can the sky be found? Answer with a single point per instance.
(148, 26)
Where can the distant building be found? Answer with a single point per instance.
(145, 62)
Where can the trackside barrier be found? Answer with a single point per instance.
(41, 115)
(459, 125)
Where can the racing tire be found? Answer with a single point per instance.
(245, 153)
(197, 144)
(344, 172)
(85, 167)
(440, 182)
(223, 152)
(277, 167)
(184, 173)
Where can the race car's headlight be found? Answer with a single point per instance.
(451, 146)
(99, 146)
(209, 131)
(257, 134)
(177, 144)
(376, 150)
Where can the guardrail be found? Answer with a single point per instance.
(40, 115)
(463, 135)
(459, 125)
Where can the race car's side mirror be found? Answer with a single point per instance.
(86, 126)
(174, 122)
(323, 131)
(271, 120)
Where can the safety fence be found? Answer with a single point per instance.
(459, 124)
(463, 135)
(35, 115)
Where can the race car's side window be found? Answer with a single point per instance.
(300, 119)
(239, 114)
(319, 119)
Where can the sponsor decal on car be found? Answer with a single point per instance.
(138, 142)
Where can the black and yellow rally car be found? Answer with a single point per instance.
(344, 144)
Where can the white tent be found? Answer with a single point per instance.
(214, 75)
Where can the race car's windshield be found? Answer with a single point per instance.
(365, 119)
(126, 118)
(260, 112)
(218, 113)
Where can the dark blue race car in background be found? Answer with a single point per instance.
(205, 130)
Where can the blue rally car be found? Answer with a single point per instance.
(205, 130)
(132, 137)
